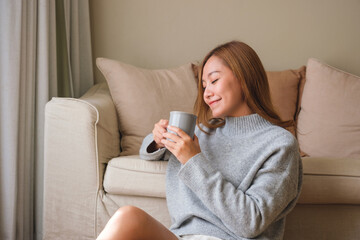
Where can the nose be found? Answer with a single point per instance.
(208, 93)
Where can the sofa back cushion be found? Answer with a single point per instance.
(329, 119)
(142, 97)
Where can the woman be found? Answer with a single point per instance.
(239, 176)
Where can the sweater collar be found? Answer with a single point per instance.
(244, 124)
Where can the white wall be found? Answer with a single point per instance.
(285, 33)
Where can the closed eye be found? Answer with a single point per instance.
(214, 81)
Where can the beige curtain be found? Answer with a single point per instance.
(45, 51)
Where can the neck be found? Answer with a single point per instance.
(244, 124)
(244, 110)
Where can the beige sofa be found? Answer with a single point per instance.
(88, 177)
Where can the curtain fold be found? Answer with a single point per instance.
(65, 88)
(74, 55)
(17, 109)
(35, 46)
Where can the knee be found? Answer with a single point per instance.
(128, 211)
(130, 216)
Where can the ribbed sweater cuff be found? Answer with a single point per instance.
(145, 155)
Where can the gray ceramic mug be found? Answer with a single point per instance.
(185, 121)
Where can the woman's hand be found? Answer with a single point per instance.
(181, 145)
(158, 131)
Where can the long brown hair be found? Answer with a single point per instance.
(248, 69)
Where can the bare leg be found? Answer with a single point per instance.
(132, 223)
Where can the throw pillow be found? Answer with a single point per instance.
(142, 97)
(284, 90)
(329, 119)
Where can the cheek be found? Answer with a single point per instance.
(234, 95)
(226, 90)
(236, 90)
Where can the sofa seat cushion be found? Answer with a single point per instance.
(330, 181)
(326, 180)
(130, 175)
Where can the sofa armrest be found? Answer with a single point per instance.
(81, 136)
(107, 128)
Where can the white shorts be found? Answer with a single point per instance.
(198, 237)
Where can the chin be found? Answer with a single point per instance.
(217, 115)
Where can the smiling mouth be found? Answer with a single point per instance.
(212, 102)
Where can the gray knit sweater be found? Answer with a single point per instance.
(242, 185)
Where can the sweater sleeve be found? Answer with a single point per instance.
(247, 212)
(160, 154)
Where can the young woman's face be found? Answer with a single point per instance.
(222, 91)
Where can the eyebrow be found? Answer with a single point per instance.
(210, 74)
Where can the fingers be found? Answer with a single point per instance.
(176, 138)
(161, 135)
(159, 130)
(178, 131)
(164, 123)
(169, 144)
(171, 136)
(182, 148)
